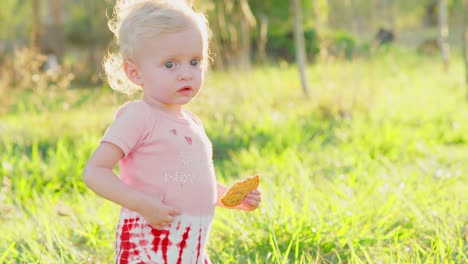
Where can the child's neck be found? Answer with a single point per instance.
(175, 110)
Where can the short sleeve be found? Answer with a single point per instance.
(129, 127)
(193, 117)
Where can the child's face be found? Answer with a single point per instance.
(171, 67)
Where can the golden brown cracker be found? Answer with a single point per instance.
(237, 191)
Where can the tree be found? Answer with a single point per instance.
(48, 37)
(389, 14)
(443, 33)
(36, 24)
(232, 22)
(262, 38)
(321, 21)
(58, 28)
(300, 45)
(92, 58)
(353, 18)
(276, 26)
(464, 11)
(247, 22)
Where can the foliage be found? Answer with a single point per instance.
(371, 169)
(13, 20)
(82, 28)
(279, 15)
(343, 27)
(27, 69)
(342, 44)
(283, 47)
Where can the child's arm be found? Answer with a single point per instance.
(251, 201)
(100, 178)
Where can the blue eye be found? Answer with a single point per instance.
(195, 62)
(169, 64)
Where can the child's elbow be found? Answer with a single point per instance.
(87, 175)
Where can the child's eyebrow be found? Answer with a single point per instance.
(179, 55)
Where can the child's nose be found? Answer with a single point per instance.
(185, 73)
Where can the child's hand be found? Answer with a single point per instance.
(251, 201)
(158, 214)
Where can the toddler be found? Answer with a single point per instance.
(167, 187)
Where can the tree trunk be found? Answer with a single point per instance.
(92, 59)
(353, 18)
(465, 41)
(245, 46)
(247, 21)
(300, 45)
(262, 39)
(321, 21)
(218, 59)
(58, 27)
(36, 24)
(443, 33)
(221, 59)
(388, 7)
(231, 44)
(235, 48)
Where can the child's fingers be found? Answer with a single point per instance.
(256, 192)
(252, 203)
(169, 219)
(255, 197)
(174, 212)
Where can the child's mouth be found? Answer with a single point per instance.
(185, 89)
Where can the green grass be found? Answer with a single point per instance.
(373, 168)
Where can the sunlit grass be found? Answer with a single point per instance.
(371, 169)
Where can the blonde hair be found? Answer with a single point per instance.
(136, 19)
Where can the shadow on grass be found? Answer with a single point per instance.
(303, 134)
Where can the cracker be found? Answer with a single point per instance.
(238, 190)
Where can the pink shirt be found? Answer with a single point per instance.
(170, 158)
(166, 156)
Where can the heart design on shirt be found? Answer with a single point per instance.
(189, 140)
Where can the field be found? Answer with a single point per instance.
(372, 168)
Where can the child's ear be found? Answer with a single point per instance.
(132, 72)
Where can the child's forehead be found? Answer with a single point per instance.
(188, 42)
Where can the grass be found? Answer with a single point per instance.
(371, 169)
